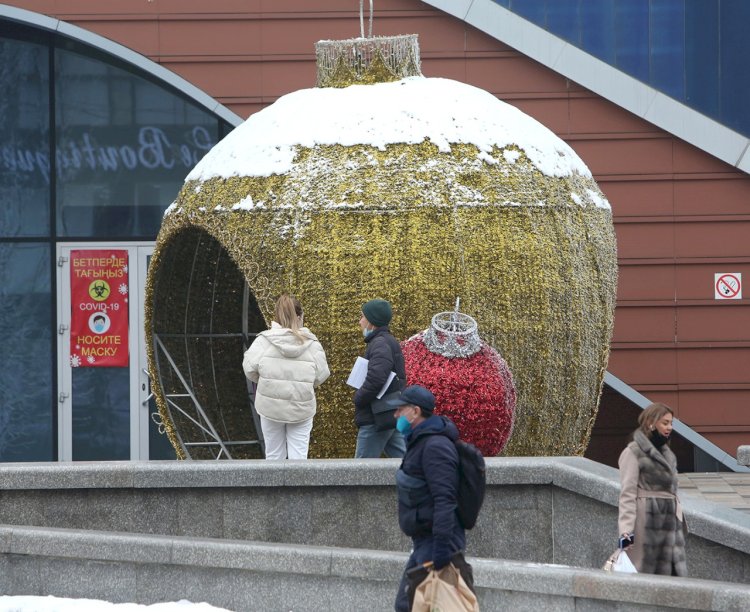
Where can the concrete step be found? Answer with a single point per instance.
(153, 531)
(258, 576)
(542, 510)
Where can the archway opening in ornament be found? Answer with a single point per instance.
(204, 316)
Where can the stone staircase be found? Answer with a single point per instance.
(323, 535)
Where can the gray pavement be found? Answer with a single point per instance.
(726, 488)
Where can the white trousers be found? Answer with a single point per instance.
(286, 440)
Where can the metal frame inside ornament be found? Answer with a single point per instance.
(202, 316)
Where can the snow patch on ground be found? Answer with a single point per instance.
(59, 604)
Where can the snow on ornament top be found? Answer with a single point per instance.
(408, 111)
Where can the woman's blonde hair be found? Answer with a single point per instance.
(651, 415)
(288, 313)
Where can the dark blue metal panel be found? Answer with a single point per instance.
(702, 56)
(533, 10)
(692, 50)
(734, 71)
(667, 47)
(598, 29)
(563, 19)
(631, 37)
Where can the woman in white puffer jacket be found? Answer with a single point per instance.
(287, 362)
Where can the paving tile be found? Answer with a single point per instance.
(738, 479)
(730, 500)
(729, 489)
(716, 490)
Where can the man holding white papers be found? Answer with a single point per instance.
(383, 354)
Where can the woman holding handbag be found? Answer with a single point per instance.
(652, 527)
(287, 362)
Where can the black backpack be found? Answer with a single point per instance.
(471, 483)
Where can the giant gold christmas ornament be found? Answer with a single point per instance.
(413, 189)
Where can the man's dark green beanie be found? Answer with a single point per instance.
(377, 312)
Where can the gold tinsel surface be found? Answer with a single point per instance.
(531, 256)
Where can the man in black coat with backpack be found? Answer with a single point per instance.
(428, 483)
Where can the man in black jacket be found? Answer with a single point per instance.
(427, 483)
(384, 356)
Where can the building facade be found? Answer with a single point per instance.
(106, 106)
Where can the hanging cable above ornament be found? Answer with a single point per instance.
(362, 19)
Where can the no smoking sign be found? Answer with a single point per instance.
(728, 286)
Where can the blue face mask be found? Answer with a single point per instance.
(367, 332)
(403, 425)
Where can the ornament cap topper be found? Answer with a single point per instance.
(366, 60)
(453, 334)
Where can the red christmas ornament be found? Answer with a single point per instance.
(471, 382)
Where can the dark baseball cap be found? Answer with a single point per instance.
(415, 395)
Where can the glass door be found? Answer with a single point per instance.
(104, 409)
(153, 442)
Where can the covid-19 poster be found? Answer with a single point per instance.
(99, 302)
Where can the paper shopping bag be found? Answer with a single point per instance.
(444, 591)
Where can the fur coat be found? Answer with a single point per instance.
(650, 509)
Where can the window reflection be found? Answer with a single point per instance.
(124, 147)
(26, 345)
(101, 414)
(24, 134)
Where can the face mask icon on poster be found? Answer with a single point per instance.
(99, 323)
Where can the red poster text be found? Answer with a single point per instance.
(99, 302)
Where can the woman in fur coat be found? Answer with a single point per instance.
(650, 514)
